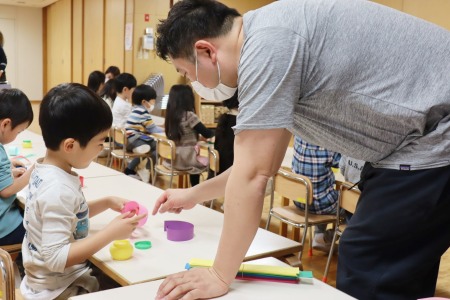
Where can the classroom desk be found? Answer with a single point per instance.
(240, 289)
(97, 170)
(167, 257)
(159, 121)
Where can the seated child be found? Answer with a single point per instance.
(16, 115)
(124, 84)
(351, 168)
(140, 124)
(183, 126)
(74, 123)
(316, 162)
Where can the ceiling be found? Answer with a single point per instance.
(29, 3)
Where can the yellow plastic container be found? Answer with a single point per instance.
(121, 250)
(26, 144)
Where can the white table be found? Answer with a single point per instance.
(167, 257)
(159, 121)
(240, 290)
(97, 170)
(38, 150)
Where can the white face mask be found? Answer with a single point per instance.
(151, 108)
(219, 93)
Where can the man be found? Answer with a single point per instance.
(351, 76)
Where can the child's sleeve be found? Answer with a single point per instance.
(151, 127)
(6, 178)
(58, 224)
(195, 123)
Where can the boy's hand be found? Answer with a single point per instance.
(17, 163)
(17, 172)
(122, 226)
(116, 203)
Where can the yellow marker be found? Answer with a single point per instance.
(300, 200)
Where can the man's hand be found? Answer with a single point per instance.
(197, 283)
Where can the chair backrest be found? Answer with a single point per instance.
(292, 186)
(165, 149)
(213, 155)
(7, 276)
(348, 196)
(119, 135)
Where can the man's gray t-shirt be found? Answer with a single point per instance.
(352, 76)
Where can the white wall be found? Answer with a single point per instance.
(23, 31)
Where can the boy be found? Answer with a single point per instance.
(140, 123)
(16, 115)
(125, 84)
(74, 123)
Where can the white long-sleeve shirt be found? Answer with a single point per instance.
(56, 215)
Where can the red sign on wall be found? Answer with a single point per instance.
(147, 17)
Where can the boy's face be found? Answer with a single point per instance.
(7, 133)
(82, 157)
(149, 104)
(126, 93)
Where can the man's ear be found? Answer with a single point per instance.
(68, 145)
(205, 48)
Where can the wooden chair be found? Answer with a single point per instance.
(207, 150)
(348, 199)
(166, 151)
(291, 186)
(106, 148)
(8, 291)
(119, 136)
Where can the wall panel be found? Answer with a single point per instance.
(93, 12)
(77, 41)
(114, 51)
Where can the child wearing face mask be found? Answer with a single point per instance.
(139, 124)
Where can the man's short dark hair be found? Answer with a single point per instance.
(71, 110)
(125, 80)
(143, 92)
(15, 105)
(189, 21)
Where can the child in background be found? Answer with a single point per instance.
(74, 123)
(111, 73)
(224, 139)
(108, 93)
(125, 84)
(182, 126)
(351, 168)
(140, 124)
(16, 115)
(96, 81)
(315, 162)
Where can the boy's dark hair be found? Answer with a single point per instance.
(143, 92)
(189, 21)
(71, 110)
(109, 89)
(181, 100)
(113, 70)
(15, 105)
(125, 80)
(95, 80)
